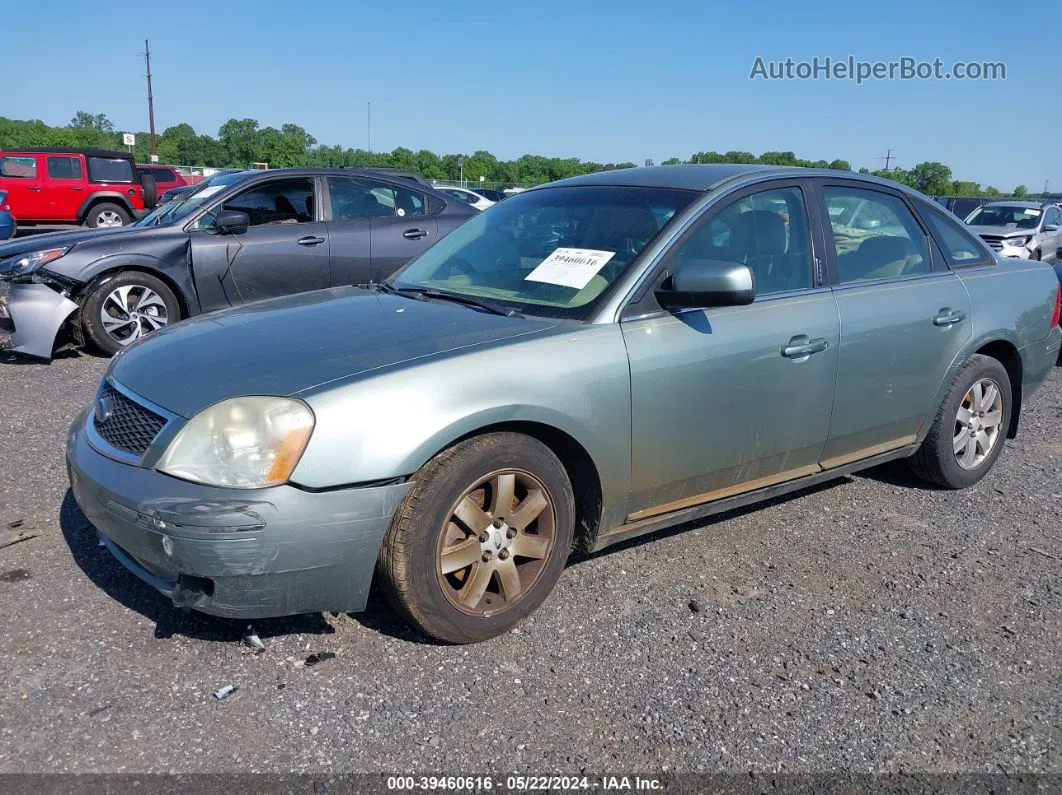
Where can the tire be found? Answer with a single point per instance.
(151, 191)
(470, 600)
(148, 301)
(937, 460)
(106, 214)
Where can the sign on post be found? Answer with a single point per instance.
(128, 139)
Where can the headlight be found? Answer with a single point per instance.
(247, 442)
(1016, 241)
(21, 264)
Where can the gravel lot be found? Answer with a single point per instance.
(868, 625)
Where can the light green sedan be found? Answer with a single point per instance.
(582, 363)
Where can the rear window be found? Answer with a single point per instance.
(959, 246)
(18, 167)
(160, 174)
(106, 169)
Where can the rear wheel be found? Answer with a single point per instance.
(105, 214)
(481, 539)
(121, 310)
(970, 428)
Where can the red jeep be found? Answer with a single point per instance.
(93, 187)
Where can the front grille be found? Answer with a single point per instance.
(995, 241)
(127, 426)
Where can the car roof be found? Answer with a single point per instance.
(1015, 203)
(66, 150)
(705, 176)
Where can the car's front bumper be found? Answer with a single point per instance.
(237, 553)
(36, 312)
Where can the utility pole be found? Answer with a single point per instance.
(1045, 186)
(887, 158)
(368, 127)
(151, 104)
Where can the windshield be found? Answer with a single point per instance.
(552, 252)
(1004, 215)
(183, 206)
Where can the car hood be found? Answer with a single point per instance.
(57, 239)
(1002, 231)
(289, 345)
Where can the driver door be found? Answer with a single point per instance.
(283, 251)
(729, 400)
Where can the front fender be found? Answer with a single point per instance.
(389, 425)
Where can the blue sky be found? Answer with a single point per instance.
(606, 81)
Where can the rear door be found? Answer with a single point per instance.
(283, 251)
(22, 176)
(1051, 239)
(904, 317)
(65, 186)
(402, 230)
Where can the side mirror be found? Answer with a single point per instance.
(704, 283)
(232, 221)
(1050, 227)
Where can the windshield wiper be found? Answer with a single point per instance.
(430, 293)
(467, 300)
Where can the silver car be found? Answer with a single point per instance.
(1021, 229)
(583, 363)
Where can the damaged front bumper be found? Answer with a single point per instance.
(34, 314)
(228, 552)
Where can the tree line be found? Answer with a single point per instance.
(240, 142)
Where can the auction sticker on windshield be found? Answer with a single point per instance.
(570, 267)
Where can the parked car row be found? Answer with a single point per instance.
(237, 238)
(583, 363)
(1021, 229)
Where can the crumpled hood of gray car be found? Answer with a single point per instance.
(288, 345)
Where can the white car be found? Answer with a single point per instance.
(467, 196)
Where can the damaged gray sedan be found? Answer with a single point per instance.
(580, 364)
(237, 238)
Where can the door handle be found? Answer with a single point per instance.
(414, 234)
(33, 187)
(310, 240)
(948, 318)
(76, 187)
(800, 347)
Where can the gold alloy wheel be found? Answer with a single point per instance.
(496, 543)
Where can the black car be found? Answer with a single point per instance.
(493, 195)
(960, 206)
(238, 238)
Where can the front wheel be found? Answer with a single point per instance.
(481, 539)
(970, 428)
(121, 310)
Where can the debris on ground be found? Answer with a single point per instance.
(695, 606)
(225, 692)
(1043, 552)
(318, 657)
(12, 535)
(252, 641)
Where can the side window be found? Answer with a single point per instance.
(285, 201)
(875, 235)
(767, 231)
(354, 199)
(408, 203)
(1052, 216)
(18, 167)
(959, 245)
(64, 168)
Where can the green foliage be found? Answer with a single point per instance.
(1020, 192)
(240, 142)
